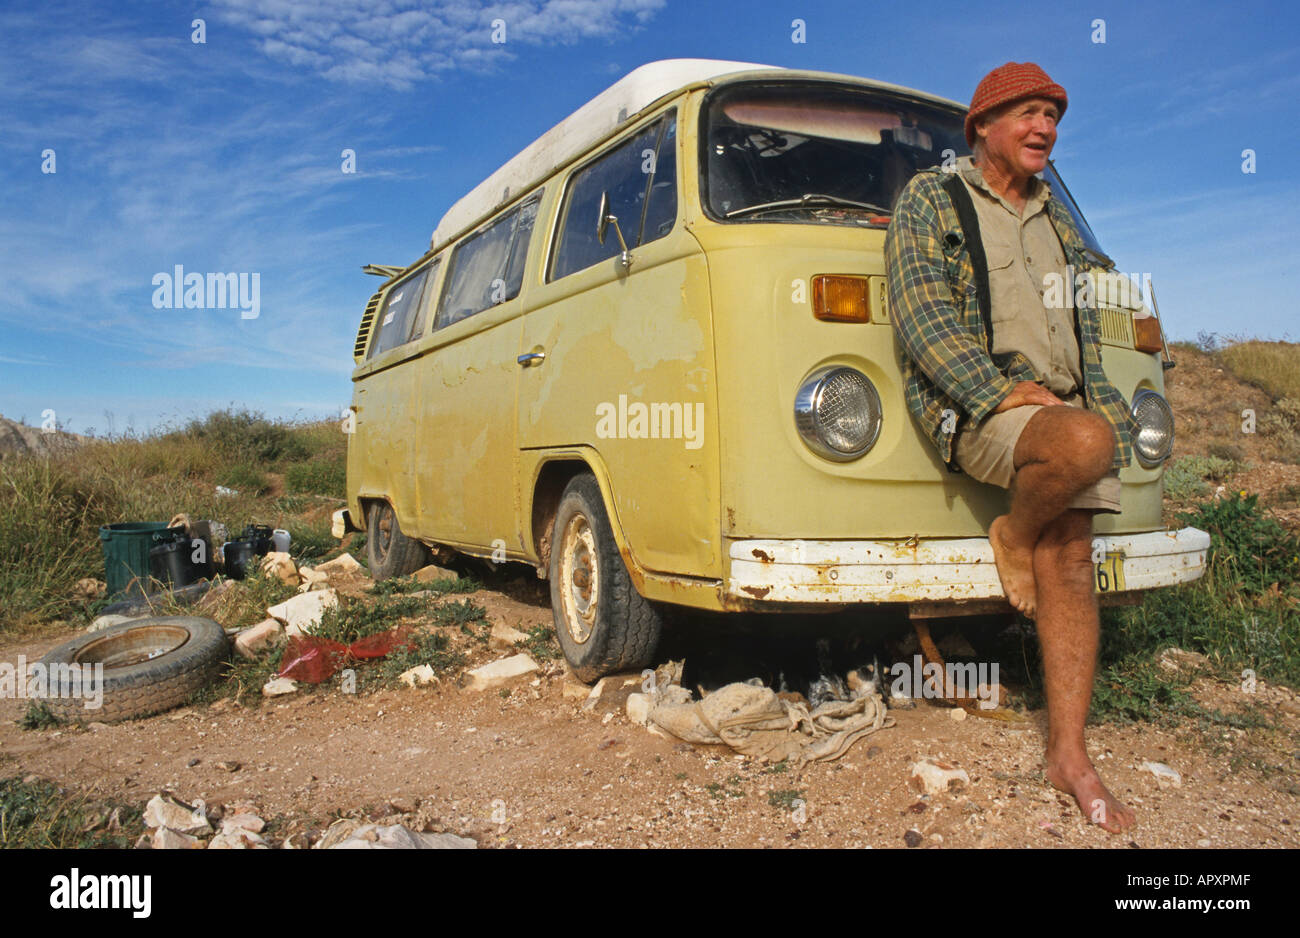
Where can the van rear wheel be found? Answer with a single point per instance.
(390, 552)
(603, 624)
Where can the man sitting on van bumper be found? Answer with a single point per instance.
(1012, 392)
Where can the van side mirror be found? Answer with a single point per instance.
(602, 226)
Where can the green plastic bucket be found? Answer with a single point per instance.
(126, 552)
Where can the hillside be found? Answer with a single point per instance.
(1212, 394)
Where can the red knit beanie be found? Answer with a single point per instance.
(1011, 82)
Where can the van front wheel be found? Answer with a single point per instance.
(390, 552)
(604, 625)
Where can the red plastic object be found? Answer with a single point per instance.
(312, 660)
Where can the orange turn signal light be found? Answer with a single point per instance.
(840, 298)
(1146, 334)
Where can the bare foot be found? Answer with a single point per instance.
(1015, 564)
(1078, 778)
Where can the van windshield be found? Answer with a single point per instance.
(816, 153)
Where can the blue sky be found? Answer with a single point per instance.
(225, 156)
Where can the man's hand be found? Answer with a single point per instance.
(1027, 392)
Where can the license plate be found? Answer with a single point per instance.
(1108, 576)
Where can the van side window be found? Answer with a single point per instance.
(421, 317)
(645, 166)
(661, 208)
(487, 268)
(401, 319)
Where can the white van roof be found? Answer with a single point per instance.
(575, 133)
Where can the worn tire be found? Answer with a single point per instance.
(188, 652)
(622, 628)
(390, 552)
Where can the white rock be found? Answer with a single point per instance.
(312, 579)
(281, 566)
(397, 837)
(303, 612)
(594, 695)
(499, 672)
(504, 638)
(166, 811)
(934, 776)
(164, 838)
(574, 689)
(434, 572)
(957, 714)
(1166, 777)
(238, 839)
(107, 622)
(279, 686)
(1176, 659)
(638, 708)
(421, 674)
(343, 563)
(253, 639)
(242, 822)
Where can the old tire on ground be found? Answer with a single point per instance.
(150, 665)
(390, 552)
(603, 624)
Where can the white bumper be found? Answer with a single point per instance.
(932, 570)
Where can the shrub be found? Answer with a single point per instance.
(1258, 550)
(242, 435)
(1182, 482)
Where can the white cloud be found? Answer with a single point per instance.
(399, 43)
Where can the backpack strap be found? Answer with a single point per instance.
(970, 225)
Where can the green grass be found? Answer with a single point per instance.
(1241, 614)
(37, 814)
(352, 619)
(243, 479)
(53, 507)
(311, 540)
(542, 644)
(324, 475)
(38, 716)
(409, 584)
(784, 798)
(1186, 477)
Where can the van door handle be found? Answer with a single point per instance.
(530, 357)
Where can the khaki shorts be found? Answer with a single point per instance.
(987, 452)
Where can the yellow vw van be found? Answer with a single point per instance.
(651, 355)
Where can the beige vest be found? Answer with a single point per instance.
(1022, 251)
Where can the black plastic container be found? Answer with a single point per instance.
(171, 563)
(259, 535)
(239, 555)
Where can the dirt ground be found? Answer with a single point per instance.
(532, 768)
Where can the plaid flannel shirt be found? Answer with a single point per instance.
(949, 375)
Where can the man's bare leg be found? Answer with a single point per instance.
(1061, 452)
(1068, 629)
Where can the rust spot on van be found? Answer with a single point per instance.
(758, 592)
(762, 555)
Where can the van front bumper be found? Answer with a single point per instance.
(939, 569)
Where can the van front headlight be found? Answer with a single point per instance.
(1155, 419)
(837, 412)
